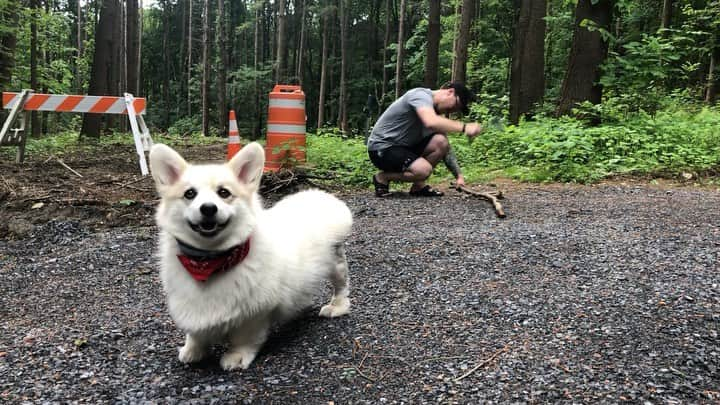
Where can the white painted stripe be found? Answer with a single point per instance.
(118, 107)
(86, 104)
(286, 103)
(234, 139)
(286, 129)
(12, 102)
(233, 126)
(52, 103)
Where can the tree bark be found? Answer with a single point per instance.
(301, 46)
(342, 102)
(463, 40)
(34, 9)
(400, 50)
(666, 13)
(206, 70)
(713, 82)
(280, 76)
(433, 45)
(587, 53)
(527, 78)
(323, 70)
(133, 47)
(8, 41)
(256, 64)
(386, 44)
(101, 74)
(222, 71)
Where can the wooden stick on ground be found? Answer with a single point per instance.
(492, 197)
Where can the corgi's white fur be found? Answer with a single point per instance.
(295, 246)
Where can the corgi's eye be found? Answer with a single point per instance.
(223, 192)
(190, 193)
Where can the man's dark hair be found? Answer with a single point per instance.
(464, 95)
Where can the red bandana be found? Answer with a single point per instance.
(201, 268)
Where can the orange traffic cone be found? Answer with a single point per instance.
(233, 137)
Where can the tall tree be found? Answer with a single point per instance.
(299, 72)
(35, 11)
(257, 55)
(386, 45)
(463, 41)
(342, 101)
(133, 47)
(101, 71)
(325, 15)
(9, 14)
(281, 74)
(713, 82)
(666, 13)
(527, 76)
(206, 70)
(587, 53)
(433, 45)
(222, 70)
(400, 51)
(189, 55)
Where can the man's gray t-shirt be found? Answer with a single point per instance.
(400, 125)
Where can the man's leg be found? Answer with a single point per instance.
(421, 168)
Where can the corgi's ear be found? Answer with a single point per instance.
(248, 164)
(166, 165)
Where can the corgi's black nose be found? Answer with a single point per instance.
(208, 209)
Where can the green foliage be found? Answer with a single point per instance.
(673, 141)
(330, 153)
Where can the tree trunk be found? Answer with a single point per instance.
(256, 64)
(527, 78)
(222, 71)
(386, 45)
(280, 76)
(400, 50)
(587, 53)
(433, 45)
(101, 74)
(189, 57)
(133, 47)
(34, 9)
(713, 83)
(463, 40)
(342, 102)
(206, 70)
(301, 46)
(666, 13)
(323, 70)
(8, 41)
(166, 67)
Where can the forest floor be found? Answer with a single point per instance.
(602, 293)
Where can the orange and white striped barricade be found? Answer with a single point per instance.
(285, 126)
(27, 100)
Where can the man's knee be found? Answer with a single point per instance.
(440, 143)
(421, 168)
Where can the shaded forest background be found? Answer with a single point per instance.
(196, 59)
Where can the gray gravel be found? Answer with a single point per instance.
(582, 294)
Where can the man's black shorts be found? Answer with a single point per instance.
(397, 159)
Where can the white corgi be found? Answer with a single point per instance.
(231, 269)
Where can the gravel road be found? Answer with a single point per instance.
(607, 293)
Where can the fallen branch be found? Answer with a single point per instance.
(482, 363)
(493, 197)
(68, 167)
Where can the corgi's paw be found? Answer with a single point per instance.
(191, 353)
(239, 357)
(336, 307)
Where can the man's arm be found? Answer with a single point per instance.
(451, 163)
(440, 124)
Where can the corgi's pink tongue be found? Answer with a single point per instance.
(202, 267)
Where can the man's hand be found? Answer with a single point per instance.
(460, 181)
(473, 129)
